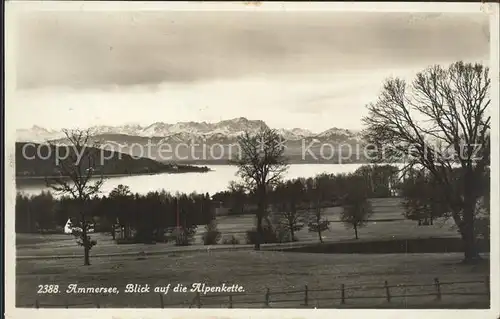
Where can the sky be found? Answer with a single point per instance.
(313, 70)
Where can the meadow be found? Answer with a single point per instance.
(387, 222)
(56, 259)
(255, 271)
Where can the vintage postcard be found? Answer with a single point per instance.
(251, 160)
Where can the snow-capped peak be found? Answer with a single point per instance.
(183, 131)
(335, 131)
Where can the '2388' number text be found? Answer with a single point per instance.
(48, 289)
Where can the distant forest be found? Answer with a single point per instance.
(37, 160)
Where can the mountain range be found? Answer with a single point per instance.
(122, 138)
(188, 131)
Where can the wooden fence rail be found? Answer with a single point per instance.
(305, 298)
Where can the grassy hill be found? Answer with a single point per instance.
(37, 160)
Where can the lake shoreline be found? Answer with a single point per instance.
(105, 176)
(217, 180)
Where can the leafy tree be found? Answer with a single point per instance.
(440, 122)
(147, 215)
(65, 208)
(380, 179)
(121, 209)
(237, 198)
(120, 191)
(25, 223)
(43, 206)
(207, 211)
(260, 166)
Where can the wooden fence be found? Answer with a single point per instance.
(304, 297)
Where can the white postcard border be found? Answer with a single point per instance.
(12, 7)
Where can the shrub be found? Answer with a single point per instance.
(269, 236)
(282, 234)
(161, 237)
(183, 236)
(212, 234)
(482, 227)
(251, 236)
(230, 240)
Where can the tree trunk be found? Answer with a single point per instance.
(291, 233)
(87, 257)
(128, 232)
(85, 241)
(261, 212)
(259, 232)
(471, 254)
(356, 231)
(319, 234)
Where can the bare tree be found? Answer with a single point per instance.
(317, 223)
(288, 217)
(355, 213)
(292, 220)
(439, 122)
(76, 176)
(261, 165)
(286, 198)
(318, 190)
(422, 199)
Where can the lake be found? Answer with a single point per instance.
(214, 181)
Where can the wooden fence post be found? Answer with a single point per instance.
(306, 296)
(342, 295)
(198, 299)
(161, 301)
(438, 289)
(387, 292)
(267, 297)
(230, 301)
(487, 283)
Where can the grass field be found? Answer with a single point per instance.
(255, 271)
(384, 209)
